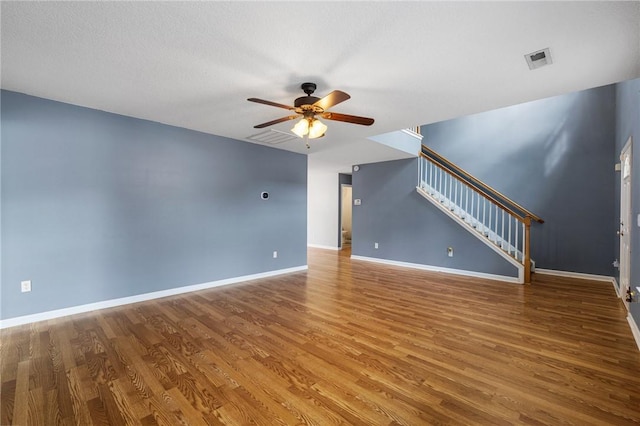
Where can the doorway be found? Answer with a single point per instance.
(625, 219)
(346, 195)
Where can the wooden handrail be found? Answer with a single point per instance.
(482, 187)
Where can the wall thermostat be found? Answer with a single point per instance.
(264, 195)
(356, 168)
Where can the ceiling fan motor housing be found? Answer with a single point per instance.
(307, 88)
(305, 100)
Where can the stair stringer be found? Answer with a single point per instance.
(519, 266)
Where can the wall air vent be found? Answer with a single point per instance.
(538, 59)
(272, 137)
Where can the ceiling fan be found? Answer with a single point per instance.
(308, 107)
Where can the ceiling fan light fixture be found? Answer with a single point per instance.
(301, 128)
(317, 129)
(307, 107)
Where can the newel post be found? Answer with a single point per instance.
(527, 250)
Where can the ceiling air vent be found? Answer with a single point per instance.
(538, 59)
(272, 137)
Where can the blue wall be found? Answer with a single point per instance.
(97, 206)
(408, 228)
(555, 157)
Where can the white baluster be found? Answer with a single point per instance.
(524, 234)
(478, 212)
(427, 169)
(444, 185)
(484, 214)
(509, 246)
(450, 195)
(446, 181)
(455, 196)
(466, 202)
(516, 244)
(450, 188)
(496, 225)
(490, 226)
(502, 232)
(431, 188)
(472, 202)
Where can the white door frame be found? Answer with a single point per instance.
(625, 218)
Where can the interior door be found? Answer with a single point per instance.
(625, 218)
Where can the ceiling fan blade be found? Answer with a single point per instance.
(275, 104)
(333, 98)
(348, 118)
(279, 120)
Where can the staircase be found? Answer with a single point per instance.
(495, 219)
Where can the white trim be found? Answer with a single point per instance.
(513, 280)
(634, 329)
(626, 196)
(476, 234)
(412, 134)
(616, 286)
(578, 275)
(323, 247)
(42, 316)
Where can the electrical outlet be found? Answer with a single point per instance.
(25, 286)
(275, 254)
(375, 245)
(450, 251)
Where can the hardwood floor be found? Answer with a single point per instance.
(347, 342)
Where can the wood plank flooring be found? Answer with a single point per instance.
(347, 342)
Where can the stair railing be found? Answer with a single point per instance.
(501, 220)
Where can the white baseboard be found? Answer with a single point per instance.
(616, 287)
(42, 316)
(634, 329)
(513, 280)
(323, 247)
(578, 275)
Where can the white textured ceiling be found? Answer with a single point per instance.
(194, 64)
